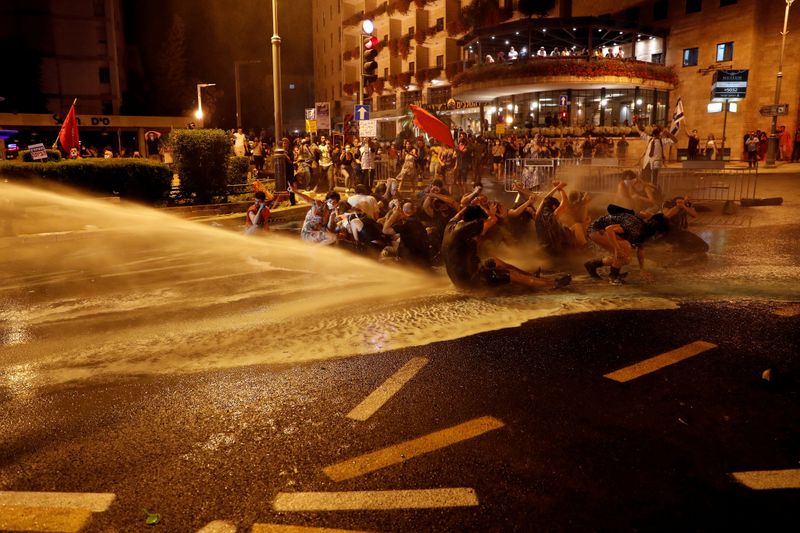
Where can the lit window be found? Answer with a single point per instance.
(690, 57)
(725, 51)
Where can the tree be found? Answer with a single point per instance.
(529, 8)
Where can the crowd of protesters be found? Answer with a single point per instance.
(430, 210)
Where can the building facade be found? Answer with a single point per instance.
(80, 47)
(438, 53)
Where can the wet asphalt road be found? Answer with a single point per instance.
(577, 451)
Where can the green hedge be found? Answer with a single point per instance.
(52, 155)
(201, 158)
(237, 169)
(137, 179)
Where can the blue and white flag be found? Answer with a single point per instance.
(677, 117)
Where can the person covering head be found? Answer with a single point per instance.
(474, 212)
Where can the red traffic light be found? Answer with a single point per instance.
(371, 42)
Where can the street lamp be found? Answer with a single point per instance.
(199, 113)
(772, 145)
(238, 94)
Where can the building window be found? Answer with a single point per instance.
(387, 102)
(690, 57)
(440, 24)
(723, 3)
(440, 61)
(101, 35)
(725, 51)
(661, 10)
(657, 58)
(411, 66)
(385, 73)
(107, 108)
(694, 6)
(411, 31)
(438, 95)
(410, 97)
(104, 74)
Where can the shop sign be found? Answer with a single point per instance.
(729, 85)
(450, 105)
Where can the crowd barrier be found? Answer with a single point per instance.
(603, 177)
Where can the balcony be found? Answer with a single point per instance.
(488, 81)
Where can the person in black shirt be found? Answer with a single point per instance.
(620, 232)
(464, 266)
(414, 244)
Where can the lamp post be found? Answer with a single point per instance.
(199, 113)
(278, 157)
(772, 146)
(236, 65)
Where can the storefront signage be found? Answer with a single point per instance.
(450, 105)
(729, 85)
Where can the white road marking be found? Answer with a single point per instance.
(769, 479)
(377, 500)
(792, 310)
(282, 528)
(389, 388)
(218, 526)
(398, 453)
(43, 519)
(96, 502)
(660, 361)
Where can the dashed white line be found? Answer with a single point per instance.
(377, 500)
(370, 405)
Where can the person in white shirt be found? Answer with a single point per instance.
(364, 202)
(238, 143)
(542, 52)
(658, 142)
(512, 54)
(367, 158)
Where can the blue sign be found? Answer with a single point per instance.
(562, 100)
(362, 112)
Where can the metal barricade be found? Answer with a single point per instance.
(531, 173)
(709, 184)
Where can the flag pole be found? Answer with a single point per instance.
(55, 143)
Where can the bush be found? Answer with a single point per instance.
(237, 169)
(52, 155)
(201, 158)
(136, 179)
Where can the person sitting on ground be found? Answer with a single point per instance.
(619, 232)
(319, 225)
(464, 266)
(414, 246)
(364, 202)
(635, 193)
(257, 218)
(678, 211)
(573, 214)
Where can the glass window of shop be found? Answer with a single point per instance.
(410, 97)
(596, 107)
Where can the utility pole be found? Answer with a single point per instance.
(278, 156)
(773, 150)
(236, 65)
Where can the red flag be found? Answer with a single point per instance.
(69, 131)
(432, 126)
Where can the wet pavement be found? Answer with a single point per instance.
(203, 376)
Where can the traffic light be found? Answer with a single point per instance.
(369, 67)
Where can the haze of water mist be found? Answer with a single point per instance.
(90, 288)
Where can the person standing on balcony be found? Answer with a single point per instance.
(694, 142)
(513, 54)
(653, 158)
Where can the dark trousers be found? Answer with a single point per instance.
(368, 177)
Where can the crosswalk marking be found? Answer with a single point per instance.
(389, 388)
(96, 502)
(660, 361)
(280, 528)
(792, 310)
(375, 500)
(769, 479)
(64, 520)
(218, 526)
(404, 451)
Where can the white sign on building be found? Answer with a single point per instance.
(367, 128)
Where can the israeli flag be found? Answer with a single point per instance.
(677, 117)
